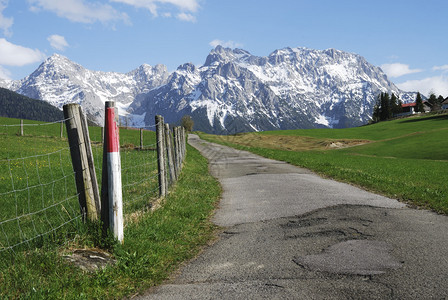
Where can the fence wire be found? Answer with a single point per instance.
(139, 170)
(37, 183)
(37, 191)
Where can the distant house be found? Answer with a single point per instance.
(409, 108)
(445, 104)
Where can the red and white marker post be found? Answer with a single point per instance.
(113, 162)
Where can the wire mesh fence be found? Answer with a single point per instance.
(38, 191)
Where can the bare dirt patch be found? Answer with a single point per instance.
(291, 143)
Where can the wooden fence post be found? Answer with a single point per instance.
(21, 127)
(111, 190)
(169, 153)
(77, 143)
(62, 129)
(141, 138)
(184, 140)
(176, 151)
(161, 155)
(91, 163)
(185, 143)
(181, 145)
(179, 134)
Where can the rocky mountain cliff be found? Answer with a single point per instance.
(233, 91)
(60, 81)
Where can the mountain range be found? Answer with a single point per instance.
(233, 91)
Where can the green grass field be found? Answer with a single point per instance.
(37, 184)
(405, 159)
(40, 216)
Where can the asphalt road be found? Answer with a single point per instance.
(290, 234)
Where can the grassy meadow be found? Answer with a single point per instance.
(40, 218)
(406, 159)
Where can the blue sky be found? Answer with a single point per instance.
(407, 38)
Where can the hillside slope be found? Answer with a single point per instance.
(14, 105)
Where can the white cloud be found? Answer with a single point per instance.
(58, 42)
(79, 10)
(227, 44)
(436, 84)
(153, 6)
(440, 68)
(15, 55)
(398, 69)
(5, 23)
(4, 74)
(186, 17)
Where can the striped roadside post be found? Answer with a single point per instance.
(112, 189)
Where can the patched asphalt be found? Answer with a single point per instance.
(290, 234)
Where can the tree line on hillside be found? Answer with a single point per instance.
(388, 107)
(14, 105)
(435, 102)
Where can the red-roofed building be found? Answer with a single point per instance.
(409, 108)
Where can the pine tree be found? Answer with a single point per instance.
(376, 110)
(433, 101)
(438, 105)
(400, 106)
(385, 110)
(419, 103)
(395, 105)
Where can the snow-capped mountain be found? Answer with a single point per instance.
(60, 81)
(233, 91)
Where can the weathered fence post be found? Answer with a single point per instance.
(62, 129)
(80, 160)
(179, 136)
(169, 153)
(141, 138)
(161, 155)
(184, 140)
(111, 190)
(21, 127)
(176, 151)
(91, 164)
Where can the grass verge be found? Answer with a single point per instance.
(155, 245)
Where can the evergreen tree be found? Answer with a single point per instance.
(438, 104)
(376, 109)
(395, 104)
(386, 107)
(433, 101)
(385, 110)
(14, 105)
(419, 103)
(400, 106)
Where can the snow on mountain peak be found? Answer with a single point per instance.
(59, 81)
(291, 88)
(233, 91)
